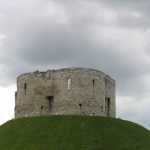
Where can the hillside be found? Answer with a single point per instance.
(73, 133)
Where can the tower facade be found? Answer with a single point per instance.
(69, 91)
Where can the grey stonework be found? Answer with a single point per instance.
(69, 91)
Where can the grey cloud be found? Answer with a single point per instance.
(112, 36)
(43, 34)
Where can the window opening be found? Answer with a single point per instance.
(101, 108)
(93, 83)
(42, 107)
(107, 106)
(50, 101)
(69, 84)
(25, 88)
(80, 105)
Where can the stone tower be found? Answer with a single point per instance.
(68, 91)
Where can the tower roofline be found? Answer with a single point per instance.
(70, 69)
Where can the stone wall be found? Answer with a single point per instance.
(70, 91)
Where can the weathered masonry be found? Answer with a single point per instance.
(69, 91)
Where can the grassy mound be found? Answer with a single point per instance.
(73, 133)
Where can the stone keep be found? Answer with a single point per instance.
(69, 91)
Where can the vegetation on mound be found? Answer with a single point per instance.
(73, 133)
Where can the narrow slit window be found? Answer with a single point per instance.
(93, 83)
(107, 105)
(101, 108)
(69, 84)
(25, 88)
(42, 107)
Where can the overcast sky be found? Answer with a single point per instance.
(109, 35)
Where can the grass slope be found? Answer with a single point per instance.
(73, 133)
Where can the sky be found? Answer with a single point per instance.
(110, 35)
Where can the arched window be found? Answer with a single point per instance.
(69, 83)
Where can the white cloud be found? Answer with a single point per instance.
(2, 38)
(7, 103)
(134, 110)
(136, 14)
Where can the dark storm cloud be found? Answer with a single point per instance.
(110, 36)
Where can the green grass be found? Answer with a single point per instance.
(73, 133)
